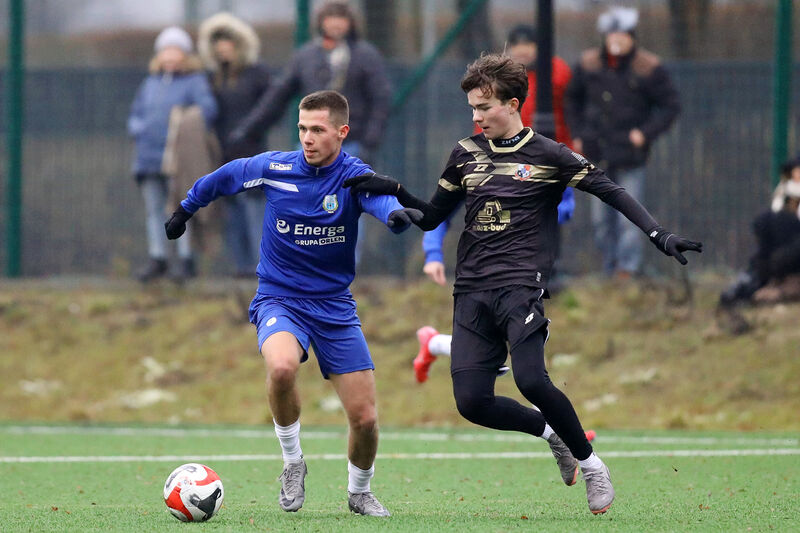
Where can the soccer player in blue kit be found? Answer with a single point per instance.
(306, 265)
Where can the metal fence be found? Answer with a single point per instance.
(82, 213)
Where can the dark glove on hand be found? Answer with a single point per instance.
(671, 244)
(402, 217)
(374, 183)
(176, 224)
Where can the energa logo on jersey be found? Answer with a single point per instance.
(330, 203)
(310, 235)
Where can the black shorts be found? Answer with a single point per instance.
(488, 324)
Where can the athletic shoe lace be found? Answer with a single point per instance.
(597, 481)
(369, 503)
(291, 477)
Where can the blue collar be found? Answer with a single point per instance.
(320, 171)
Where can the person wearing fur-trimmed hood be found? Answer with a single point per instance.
(229, 49)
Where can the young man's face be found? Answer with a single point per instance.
(494, 117)
(320, 137)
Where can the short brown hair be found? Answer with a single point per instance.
(498, 75)
(333, 101)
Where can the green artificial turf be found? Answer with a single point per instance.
(663, 480)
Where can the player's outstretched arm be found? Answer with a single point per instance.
(597, 183)
(433, 213)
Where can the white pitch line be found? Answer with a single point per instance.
(425, 436)
(386, 456)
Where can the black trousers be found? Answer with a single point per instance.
(487, 325)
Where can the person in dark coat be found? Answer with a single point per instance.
(229, 49)
(619, 101)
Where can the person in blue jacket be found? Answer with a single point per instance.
(306, 265)
(176, 78)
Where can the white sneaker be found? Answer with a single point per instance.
(599, 491)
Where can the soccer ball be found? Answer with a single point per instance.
(193, 493)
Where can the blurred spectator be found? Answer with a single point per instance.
(773, 273)
(176, 79)
(619, 101)
(339, 60)
(522, 47)
(229, 49)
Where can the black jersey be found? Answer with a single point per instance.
(511, 191)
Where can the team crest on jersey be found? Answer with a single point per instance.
(524, 173)
(330, 203)
(280, 166)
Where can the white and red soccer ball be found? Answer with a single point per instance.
(193, 493)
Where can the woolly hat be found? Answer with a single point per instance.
(174, 36)
(524, 33)
(618, 19)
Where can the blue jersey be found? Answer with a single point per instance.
(310, 222)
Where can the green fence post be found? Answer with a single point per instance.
(301, 33)
(14, 115)
(782, 81)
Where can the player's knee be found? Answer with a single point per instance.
(281, 373)
(471, 406)
(532, 385)
(364, 420)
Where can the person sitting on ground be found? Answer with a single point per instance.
(776, 261)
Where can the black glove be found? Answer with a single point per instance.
(402, 217)
(671, 244)
(374, 183)
(176, 224)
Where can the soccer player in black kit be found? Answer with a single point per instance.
(511, 179)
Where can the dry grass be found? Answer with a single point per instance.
(641, 355)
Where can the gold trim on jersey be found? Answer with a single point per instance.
(578, 177)
(478, 154)
(520, 144)
(446, 185)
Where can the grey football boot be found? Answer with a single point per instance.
(566, 461)
(599, 491)
(293, 487)
(366, 503)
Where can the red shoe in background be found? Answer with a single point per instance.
(424, 359)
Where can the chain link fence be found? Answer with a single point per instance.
(707, 177)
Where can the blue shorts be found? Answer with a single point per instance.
(329, 325)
